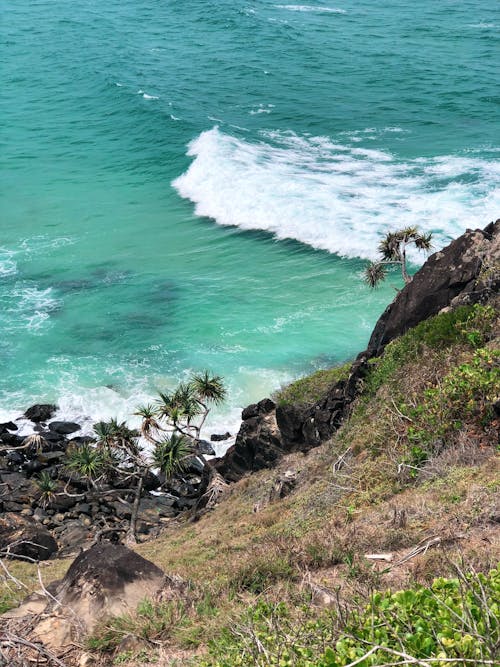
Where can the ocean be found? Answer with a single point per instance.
(191, 185)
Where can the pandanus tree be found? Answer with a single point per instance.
(171, 428)
(392, 250)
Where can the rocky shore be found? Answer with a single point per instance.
(37, 524)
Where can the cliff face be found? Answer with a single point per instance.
(465, 272)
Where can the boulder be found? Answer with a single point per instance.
(106, 580)
(40, 412)
(258, 445)
(22, 537)
(204, 447)
(218, 437)
(8, 426)
(64, 428)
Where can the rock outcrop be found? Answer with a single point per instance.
(106, 580)
(465, 272)
(258, 444)
(21, 537)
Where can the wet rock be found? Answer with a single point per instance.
(64, 428)
(40, 412)
(8, 426)
(204, 447)
(218, 437)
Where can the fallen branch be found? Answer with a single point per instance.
(9, 638)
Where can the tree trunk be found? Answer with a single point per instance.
(406, 277)
(130, 538)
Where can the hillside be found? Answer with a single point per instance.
(405, 490)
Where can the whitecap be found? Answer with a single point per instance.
(311, 8)
(150, 97)
(334, 196)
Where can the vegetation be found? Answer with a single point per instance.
(306, 391)
(392, 250)
(454, 621)
(172, 428)
(412, 475)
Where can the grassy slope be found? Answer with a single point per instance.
(416, 460)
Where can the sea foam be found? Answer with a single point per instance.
(332, 195)
(311, 8)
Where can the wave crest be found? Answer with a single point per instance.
(333, 196)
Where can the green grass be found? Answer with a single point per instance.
(310, 389)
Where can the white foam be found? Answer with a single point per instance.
(150, 97)
(334, 196)
(29, 308)
(311, 8)
(8, 267)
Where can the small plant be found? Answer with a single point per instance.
(47, 487)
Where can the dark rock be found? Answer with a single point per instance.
(33, 466)
(195, 465)
(16, 488)
(40, 412)
(21, 536)
(64, 428)
(258, 444)
(53, 438)
(8, 426)
(15, 459)
(204, 447)
(446, 275)
(122, 510)
(185, 503)
(82, 508)
(151, 481)
(72, 536)
(10, 440)
(217, 437)
(82, 440)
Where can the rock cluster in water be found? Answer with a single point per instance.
(76, 514)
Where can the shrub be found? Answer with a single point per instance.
(453, 620)
(312, 388)
(470, 325)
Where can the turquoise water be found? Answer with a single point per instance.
(198, 185)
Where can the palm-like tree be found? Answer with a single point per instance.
(86, 460)
(150, 425)
(170, 454)
(392, 249)
(208, 388)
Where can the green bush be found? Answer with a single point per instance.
(470, 325)
(453, 620)
(468, 391)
